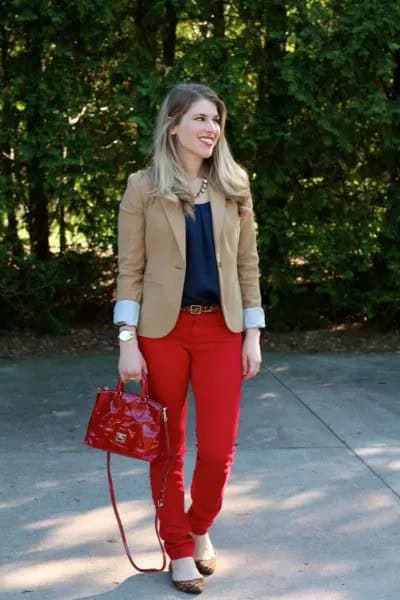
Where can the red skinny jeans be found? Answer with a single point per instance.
(202, 350)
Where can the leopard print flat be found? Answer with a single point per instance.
(189, 586)
(207, 567)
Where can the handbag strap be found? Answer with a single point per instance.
(159, 504)
(144, 386)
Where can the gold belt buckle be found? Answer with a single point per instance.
(195, 309)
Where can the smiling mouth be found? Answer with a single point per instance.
(207, 141)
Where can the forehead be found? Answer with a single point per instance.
(203, 106)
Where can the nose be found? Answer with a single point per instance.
(212, 126)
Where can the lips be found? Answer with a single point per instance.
(209, 141)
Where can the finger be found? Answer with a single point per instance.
(253, 369)
(129, 376)
(121, 375)
(248, 375)
(244, 364)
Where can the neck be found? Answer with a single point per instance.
(191, 166)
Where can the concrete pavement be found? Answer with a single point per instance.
(312, 511)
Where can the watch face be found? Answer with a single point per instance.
(125, 335)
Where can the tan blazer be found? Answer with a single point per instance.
(152, 257)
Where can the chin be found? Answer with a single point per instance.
(207, 153)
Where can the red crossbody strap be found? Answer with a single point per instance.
(160, 504)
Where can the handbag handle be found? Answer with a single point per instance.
(144, 386)
(161, 497)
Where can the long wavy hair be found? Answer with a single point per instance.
(168, 179)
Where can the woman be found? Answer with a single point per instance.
(188, 285)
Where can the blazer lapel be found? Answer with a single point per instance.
(176, 219)
(217, 201)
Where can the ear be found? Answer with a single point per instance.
(172, 131)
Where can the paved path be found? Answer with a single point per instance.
(312, 511)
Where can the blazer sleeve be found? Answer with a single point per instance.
(131, 252)
(248, 269)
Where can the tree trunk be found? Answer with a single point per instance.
(271, 108)
(169, 34)
(389, 235)
(216, 13)
(6, 167)
(11, 238)
(268, 131)
(216, 8)
(147, 20)
(61, 223)
(38, 217)
(147, 23)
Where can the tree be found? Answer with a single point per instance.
(312, 90)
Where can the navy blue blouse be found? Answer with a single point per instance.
(201, 279)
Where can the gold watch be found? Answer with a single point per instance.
(126, 335)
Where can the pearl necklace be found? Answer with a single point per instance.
(202, 189)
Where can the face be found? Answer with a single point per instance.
(198, 131)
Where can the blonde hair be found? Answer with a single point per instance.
(223, 173)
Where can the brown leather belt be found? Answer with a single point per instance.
(197, 309)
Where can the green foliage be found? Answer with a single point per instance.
(313, 94)
(49, 296)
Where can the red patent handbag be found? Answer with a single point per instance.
(133, 425)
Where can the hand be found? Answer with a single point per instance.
(131, 362)
(251, 353)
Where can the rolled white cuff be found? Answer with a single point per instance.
(253, 317)
(126, 312)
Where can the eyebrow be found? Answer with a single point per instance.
(204, 115)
